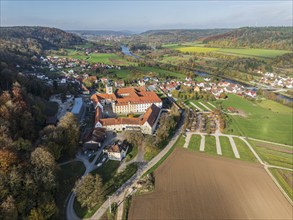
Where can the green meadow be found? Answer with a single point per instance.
(259, 122)
(194, 142)
(107, 58)
(226, 147)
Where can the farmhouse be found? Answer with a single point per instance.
(116, 151)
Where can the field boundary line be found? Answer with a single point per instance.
(269, 142)
(279, 186)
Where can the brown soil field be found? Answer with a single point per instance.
(190, 185)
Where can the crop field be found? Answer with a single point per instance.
(248, 52)
(189, 185)
(259, 122)
(274, 154)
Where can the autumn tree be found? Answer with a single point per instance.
(89, 191)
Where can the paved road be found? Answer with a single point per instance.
(90, 166)
(187, 140)
(118, 196)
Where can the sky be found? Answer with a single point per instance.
(140, 16)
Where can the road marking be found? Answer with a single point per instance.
(202, 143)
(205, 106)
(218, 145)
(196, 106)
(234, 148)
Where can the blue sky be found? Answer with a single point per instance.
(145, 15)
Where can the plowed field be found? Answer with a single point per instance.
(191, 185)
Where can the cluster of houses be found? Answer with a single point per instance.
(274, 80)
(215, 88)
(55, 62)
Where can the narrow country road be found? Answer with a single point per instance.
(123, 191)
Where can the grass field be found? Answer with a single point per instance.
(180, 142)
(67, 176)
(210, 145)
(107, 58)
(259, 122)
(206, 107)
(226, 147)
(194, 143)
(244, 152)
(285, 179)
(248, 52)
(131, 153)
(275, 107)
(273, 154)
(189, 185)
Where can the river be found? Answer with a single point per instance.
(126, 51)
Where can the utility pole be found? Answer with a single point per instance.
(110, 204)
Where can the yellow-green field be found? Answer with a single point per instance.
(250, 52)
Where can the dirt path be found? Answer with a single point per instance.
(218, 145)
(211, 104)
(187, 140)
(196, 106)
(234, 148)
(202, 143)
(205, 106)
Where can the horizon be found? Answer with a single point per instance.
(141, 16)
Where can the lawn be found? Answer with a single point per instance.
(131, 153)
(244, 152)
(259, 122)
(67, 176)
(162, 73)
(275, 107)
(180, 142)
(194, 143)
(226, 147)
(108, 170)
(285, 179)
(273, 154)
(210, 145)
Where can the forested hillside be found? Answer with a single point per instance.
(19, 44)
(180, 36)
(254, 37)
